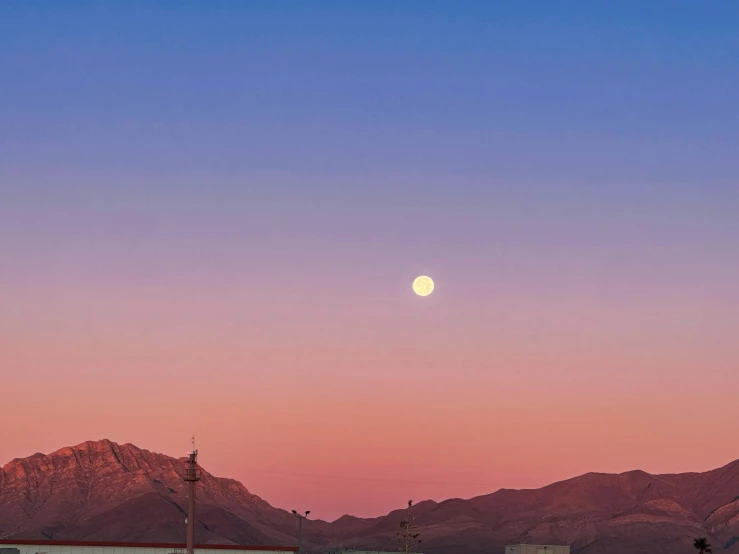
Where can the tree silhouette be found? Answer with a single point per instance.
(701, 545)
(408, 537)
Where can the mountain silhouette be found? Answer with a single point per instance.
(105, 491)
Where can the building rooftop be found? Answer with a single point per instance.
(172, 545)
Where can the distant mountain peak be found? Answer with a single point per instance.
(102, 490)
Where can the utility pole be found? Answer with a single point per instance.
(191, 476)
(300, 528)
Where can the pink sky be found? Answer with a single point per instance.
(339, 391)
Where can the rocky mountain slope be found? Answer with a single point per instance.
(105, 491)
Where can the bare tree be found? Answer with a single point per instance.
(408, 537)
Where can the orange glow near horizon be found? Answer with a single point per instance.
(356, 409)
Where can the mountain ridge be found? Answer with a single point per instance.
(101, 490)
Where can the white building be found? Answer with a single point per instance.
(21, 546)
(536, 549)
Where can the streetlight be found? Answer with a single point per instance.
(300, 528)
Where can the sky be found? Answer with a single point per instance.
(211, 214)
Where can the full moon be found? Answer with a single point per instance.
(423, 286)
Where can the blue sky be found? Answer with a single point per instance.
(630, 87)
(599, 122)
(576, 109)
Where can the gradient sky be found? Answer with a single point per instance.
(211, 214)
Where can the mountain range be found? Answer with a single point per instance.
(105, 491)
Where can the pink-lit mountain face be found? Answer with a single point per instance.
(105, 491)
